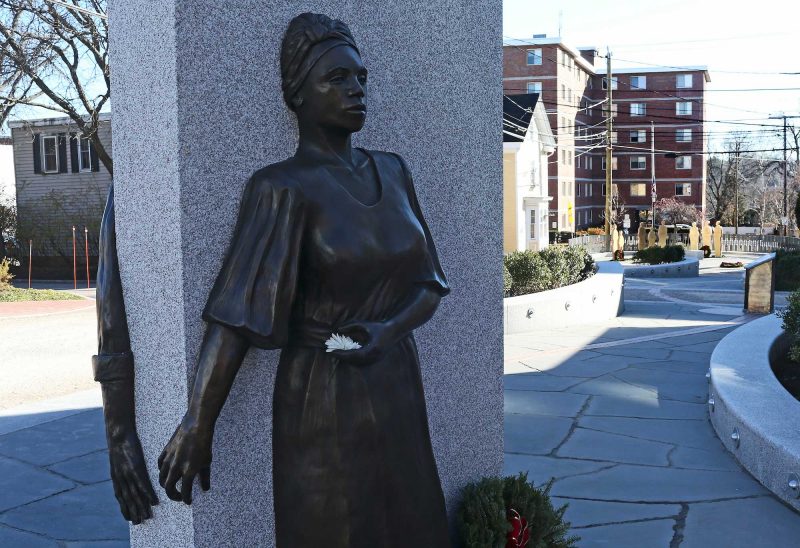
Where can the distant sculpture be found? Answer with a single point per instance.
(614, 239)
(642, 235)
(694, 237)
(621, 243)
(651, 237)
(662, 235)
(718, 240)
(706, 234)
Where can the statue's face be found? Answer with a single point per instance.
(333, 93)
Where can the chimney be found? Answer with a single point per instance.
(588, 54)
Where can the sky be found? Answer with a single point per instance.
(743, 44)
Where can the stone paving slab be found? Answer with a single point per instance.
(56, 441)
(543, 403)
(636, 483)
(534, 435)
(588, 444)
(542, 468)
(581, 513)
(21, 483)
(670, 385)
(690, 433)
(13, 538)
(647, 408)
(752, 523)
(646, 534)
(72, 515)
(61, 495)
(538, 382)
(711, 458)
(91, 468)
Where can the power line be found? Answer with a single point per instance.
(767, 73)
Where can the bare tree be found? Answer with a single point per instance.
(57, 58)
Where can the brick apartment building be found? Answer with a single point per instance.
(573, 91)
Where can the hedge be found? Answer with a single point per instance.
(555, 266)
(660, 255)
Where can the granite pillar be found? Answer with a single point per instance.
(197, 108)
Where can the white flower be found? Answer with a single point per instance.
(340, 342)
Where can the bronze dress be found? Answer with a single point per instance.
(352, 459)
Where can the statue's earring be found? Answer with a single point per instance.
(297, 102)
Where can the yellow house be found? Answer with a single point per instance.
(527, 143)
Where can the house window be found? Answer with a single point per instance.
(50, 154)
(638, 82)
(638, 162)
(85, 154)
(683, 135)
(614, 109)
(535, 56)
(563, 91)
(637, 109)
(683, 162)
(613, 83)
(683, 108)
(683, 81)
(613, 163)
(638, 189)
(533, 224)
(683, 189)
(613, 136)
(535, 87)
(591, 163)
(638, 136)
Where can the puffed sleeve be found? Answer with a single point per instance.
(430, 272)
(256, 287)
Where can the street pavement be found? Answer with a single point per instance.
(616, 413)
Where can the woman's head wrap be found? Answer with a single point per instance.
(308, 37)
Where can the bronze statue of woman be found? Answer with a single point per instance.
(329, 241)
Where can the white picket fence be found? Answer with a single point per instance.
(754, 243)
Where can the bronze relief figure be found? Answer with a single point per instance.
(329, 241)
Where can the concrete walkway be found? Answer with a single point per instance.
(617, 414)
(55, 489)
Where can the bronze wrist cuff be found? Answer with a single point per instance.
(113, 367)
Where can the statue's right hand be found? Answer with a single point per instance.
(187, 454)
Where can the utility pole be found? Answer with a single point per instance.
(609, 155)
(653, 195)
(785, 219)
(736, 194)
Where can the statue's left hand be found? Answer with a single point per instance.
(375, 339)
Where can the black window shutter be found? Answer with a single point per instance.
(93, 154)
(73, 153)
(62, 153)
(37, 153)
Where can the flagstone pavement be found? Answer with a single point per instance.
(616, 413)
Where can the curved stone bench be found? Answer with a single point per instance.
(682, 269)
(753, 415)
(593, 300)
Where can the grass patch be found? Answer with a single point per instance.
(14, 295)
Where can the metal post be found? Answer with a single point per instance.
(785, 219)
(609, 149)
(30, 261)
(653, 194)
(86, 234)
(736, 194)
(74, 261)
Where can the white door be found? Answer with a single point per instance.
(531, 230)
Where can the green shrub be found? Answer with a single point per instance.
(5, 273)
(550, 268)
(483, 516)
(557, 263)
(787, 270)
(660, 255)
(791, 324)
(507, 280)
